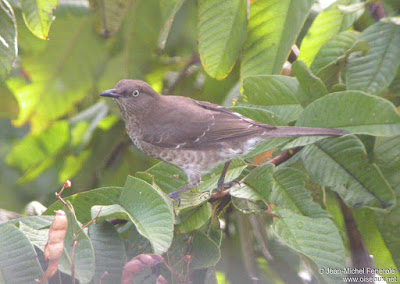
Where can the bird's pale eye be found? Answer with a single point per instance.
(135, 93)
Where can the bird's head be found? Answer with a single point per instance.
(133, 97)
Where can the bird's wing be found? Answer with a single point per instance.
(199, 125)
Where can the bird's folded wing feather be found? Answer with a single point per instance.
(199, 125)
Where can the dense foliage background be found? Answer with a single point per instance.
(281, 62)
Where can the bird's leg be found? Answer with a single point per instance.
(175, 195)
(193, 181)
(221, 181)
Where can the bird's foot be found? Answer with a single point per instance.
(227, 185)
(175, 196)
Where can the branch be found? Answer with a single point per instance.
(377, 11)
(275, 161)
(184, 72)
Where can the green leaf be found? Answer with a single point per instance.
(221, 28)
(327, 24)
(84, 254)
(169, 8)
(36, 222)
(278, 94)
(8, 103)
(18, 260)
(333, 49)
(258, 114)
(289, 192)
(373, 230)
(170, 178)
(84, 201)
(363, 114)
(248, 206)
(167, 177)
(261, 180)
(135, 45)
(387, 157)
(57, 83)
(149, 212)
(244, 191)
(273, 28)
(206, 252)
(331, 74)
(313, 87)
(109, 252)
(389, 229)
(108, 15)
(342, 163)
(38, 16)
(195, 218)
(8, 35)
(374, 72)
(316, 238)
(36, 153)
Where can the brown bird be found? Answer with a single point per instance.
(193, 135)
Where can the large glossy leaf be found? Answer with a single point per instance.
(8, 36)
(169, 8)
(316, 238)
(342, 163)
(109, 252)
(258, 114)
(35, 153)
(206, 252)
(84, 258)
(289, 192)
(273, 27)
(333, 49)
(149, 212)
(261, 181)
(136, 44)
(18, 260)
(313, 87)
(84, 201)
(38, 16)
(194, 219)
(387, 157)
(108, 15)
(326, 25)
(375, 232)
(278, 94)
(57, 82)
(374, 72)
(221, 29)
(363, 114)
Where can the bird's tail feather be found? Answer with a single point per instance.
(289, 131)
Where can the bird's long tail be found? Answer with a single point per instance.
(288, 131)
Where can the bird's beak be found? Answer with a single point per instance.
(110, 93)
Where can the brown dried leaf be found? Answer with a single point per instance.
(161, 280)
(55, 244)
(137, 264)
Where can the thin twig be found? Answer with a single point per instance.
(184, 72)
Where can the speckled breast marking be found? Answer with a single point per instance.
(187, 160)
